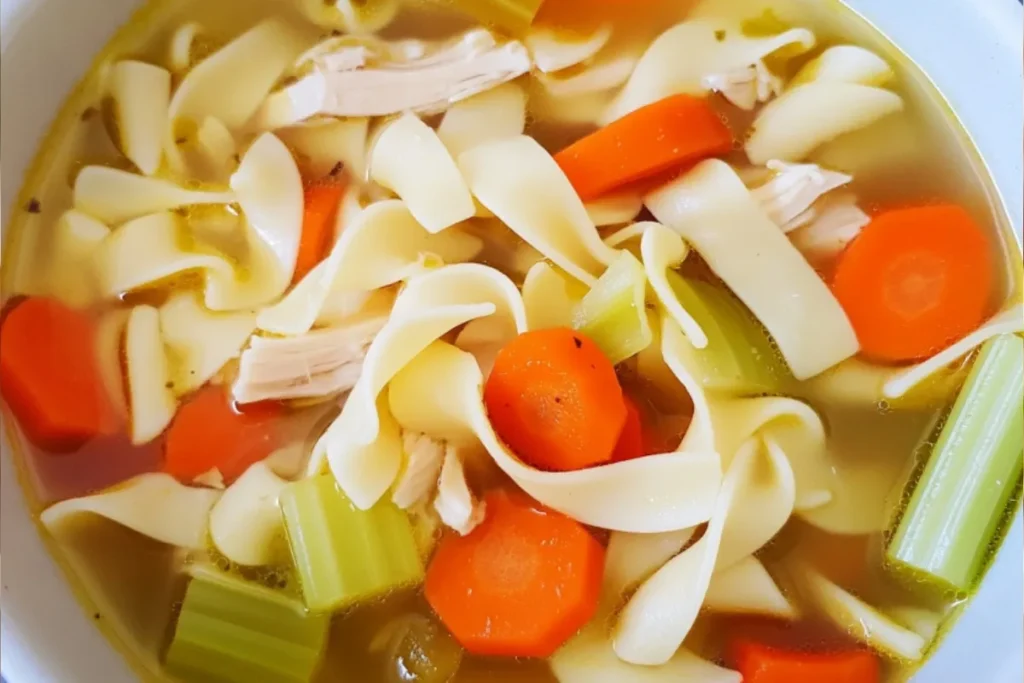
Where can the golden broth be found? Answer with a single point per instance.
(921, 157)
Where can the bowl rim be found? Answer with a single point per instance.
(982, 86)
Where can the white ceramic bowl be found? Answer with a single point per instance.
(971, 49)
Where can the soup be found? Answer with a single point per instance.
(513, 341)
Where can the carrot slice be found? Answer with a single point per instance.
(764, 664)
(554, 398)
(677, 130)
(322, 199)
(521, 584)
(632, 440)
(208, 433)
(50, 375)
(915, 281)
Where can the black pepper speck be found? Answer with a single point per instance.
(34, 206)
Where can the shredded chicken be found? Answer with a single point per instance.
(370, 80)
(319, 363)
(458, 507)
(418, 480)
(789, 196)
(834, 225)
(745, 87)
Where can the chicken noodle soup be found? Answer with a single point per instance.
(513, 340)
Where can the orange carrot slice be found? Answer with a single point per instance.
(50, 375)
(764, 664)
(521, 584)
(322, 199)
(554, 398)
(672, 132)
(208, 433)
(915, 281)
(631, 444)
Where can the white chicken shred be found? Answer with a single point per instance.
(788, 197)
(319, 363)
(835, 223)
(746, 87)
(357, 80)
(418, 480)
(455, 503)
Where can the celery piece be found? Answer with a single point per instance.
(342, 554)
(613, 313)
(513, 16)
(954, 513)
(233, 631)
(740, 356)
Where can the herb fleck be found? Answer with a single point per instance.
(169, 385)
(558, 399)
(34, 206)
(336, 32)
(96, 616)
(578, 342)
(720, 35)
(180, 141)
(337, 169)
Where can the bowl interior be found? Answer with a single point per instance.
(48, 44)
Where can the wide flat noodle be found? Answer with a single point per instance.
(680, 58)
(232, 83)
(589, 658)
(430, 306)
(755, 501)
(845, 64)
(662, 249)
(714, 212)
(72, 274)
(494, 114)
(615, 209)
(550, 297)
(269, 188)
(555, 222)
(791, 127)
(152, 402)
(154, 505)
(114, 196)
(632, 558)
(856, 617)
(553, 50)
(324, 143)
(410, 159)
(142, 95)
(200, 342)
(246, 525)
(440, 393)
(350, 16)
(747, 588)
(383, 246)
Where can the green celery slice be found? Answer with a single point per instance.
(613, 314)
(514, 16)
(740, 356)
(954, 513)
(234, 631)
(342, 554)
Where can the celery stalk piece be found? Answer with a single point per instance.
(514, 16)
(233, 631)
(613, 314)
(342, 554)
(740, 356)
(954, 513)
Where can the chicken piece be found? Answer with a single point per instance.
(418, 480)
(836, 222)
(361, 80)
(455, 502)
(319, 363)
(746, 87)
(790, 194)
